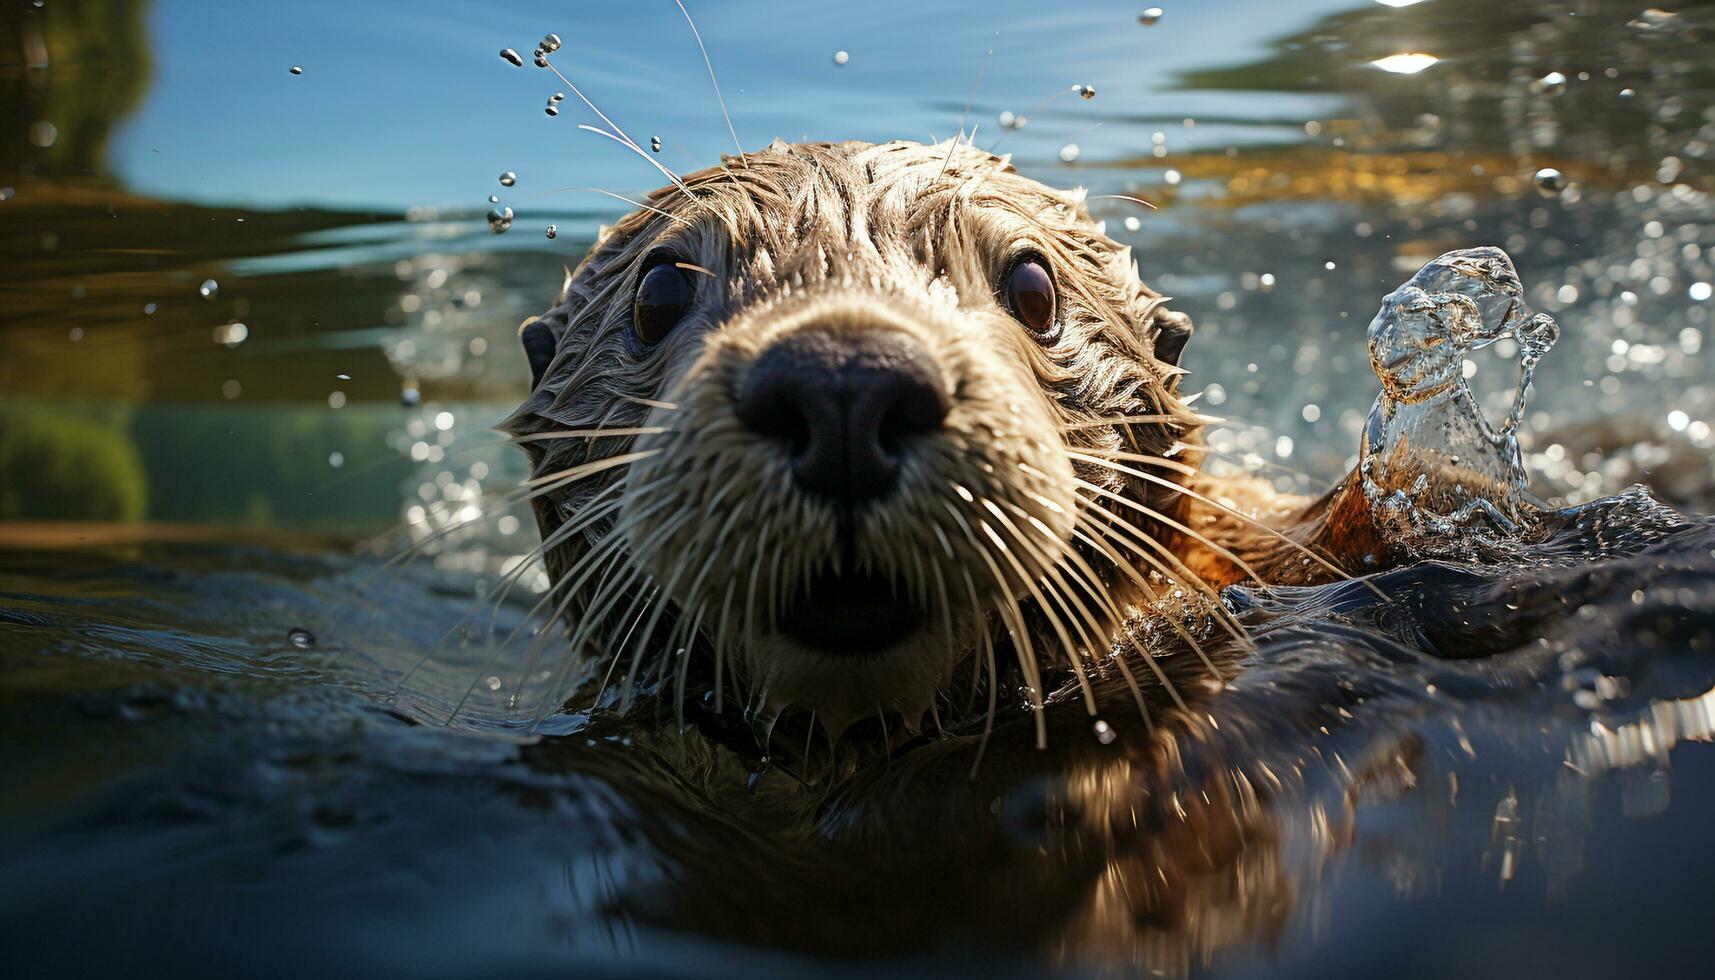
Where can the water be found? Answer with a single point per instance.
(1431, 461)
(1501, 769)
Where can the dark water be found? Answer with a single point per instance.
(1501, 769)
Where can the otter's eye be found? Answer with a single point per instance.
(663, 296)
(1029, 291)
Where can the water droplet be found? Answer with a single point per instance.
(841, 57)
(296, 70)
(409, 395)
(552, 231)
(1105, 733)
(499, 220)
(343, 377)
(209, 289)
(1132, 223)
(655, 144)
(1149, 16)
(231, 334)
(1552, 83)
(541, 58)
(1627, 93)
(492, 683)
(1330, 265)
(1085, 92)
(1550, 181)
(557, 97)
(1068, 153)
(301, 638)
(550, 43)
(336, 460)
(508, 179)
(512, 57)
(552, 110)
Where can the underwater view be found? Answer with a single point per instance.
(560, 489)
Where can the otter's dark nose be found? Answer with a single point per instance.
(844, 405)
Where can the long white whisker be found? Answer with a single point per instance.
(712, 81)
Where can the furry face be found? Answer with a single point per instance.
(820, 424)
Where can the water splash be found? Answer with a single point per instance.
(1432, 464)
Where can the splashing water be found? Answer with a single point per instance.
(1431, 461)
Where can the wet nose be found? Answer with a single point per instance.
(844, 405)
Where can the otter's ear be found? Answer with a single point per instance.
(540, 339)
(1173, 330)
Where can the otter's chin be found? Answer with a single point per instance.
(858, 615)
(847, 680)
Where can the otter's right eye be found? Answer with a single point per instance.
(663, 297)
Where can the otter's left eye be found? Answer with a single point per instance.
(663, 297)
(1029, 291)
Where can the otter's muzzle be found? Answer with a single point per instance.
(844, 405)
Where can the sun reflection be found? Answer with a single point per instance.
(1405, 64)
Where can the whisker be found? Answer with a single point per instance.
(625, 141)
(1182, 421)
(1232, 512)
(640, 430)
(712, 81)
(639, 205)
(1125, 197)
(1154, 514)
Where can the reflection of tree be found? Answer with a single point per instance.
(1480, 98)
(77, 67)
(67, 462)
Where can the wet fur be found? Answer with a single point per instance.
(1050, 512)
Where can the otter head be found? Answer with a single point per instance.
(817, 425)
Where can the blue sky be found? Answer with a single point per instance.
(404, 103)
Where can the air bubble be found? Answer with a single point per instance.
(209, 289)
(494, 198)
(301, 638)
(1550, 181)
(552, 110)
(1105, 733)
(655, 144)
(231, 334)
(508, 178)
(1552, 83)
(1149, 16)
(511, 57)
(841, 57)
(552, 231)
(296, 70)
(1069, 153)
(1085, 92)
(550, 43)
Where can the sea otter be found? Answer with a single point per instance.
(866, 430)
